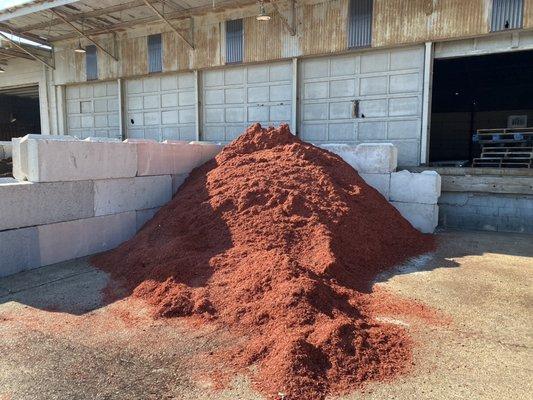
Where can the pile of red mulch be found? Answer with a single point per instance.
(278, 241)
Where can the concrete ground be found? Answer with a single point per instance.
(59, 341)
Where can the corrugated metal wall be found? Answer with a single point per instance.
(506, 14)
(321, 28)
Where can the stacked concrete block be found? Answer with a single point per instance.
(376, 158)
(416, 195)
(27, 204)
(19, 250)
(5, 150)
(143, 216)
(74, 198)
(112, 196)
(73, 239)
(52, 161)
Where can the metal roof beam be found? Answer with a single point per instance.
(18, 46)
(20, 11)
(162, 18)
(84, 35)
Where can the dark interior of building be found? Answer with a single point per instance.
(19, 112)
(479, 92)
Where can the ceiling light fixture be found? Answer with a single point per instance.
(263, 16)
(2, 70)
(79, 49)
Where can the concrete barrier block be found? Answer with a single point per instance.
(6, 150)
(166, 159)
(345, 151)
(143, 216)
(424, 187)
(29, 204)
(207, 150)
(380, 182)
(424, 217)
(101, 139)
(20, 152)
(73, 239)
(112, 196)
(19, 250)
(177, 181)
(52, 160)
(376, 158)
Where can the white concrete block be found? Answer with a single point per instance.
(380, 182)
(29, 204)
(411, 187)
(424, 217)
(19, 250)
(376, 158)
(52, 160)
(6, 150)
(101, 139)
(20, 152)
(346, 151)
(112, 196)
(143, 216)
(139, 140)
(207, 150)
(73, 239)
(166, 159)
(177, 181)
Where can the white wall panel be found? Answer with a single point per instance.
(387, 84)
(161, 107)
(92, 110)
(237, 96)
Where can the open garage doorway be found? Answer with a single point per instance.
(482, 111)
(19, 112)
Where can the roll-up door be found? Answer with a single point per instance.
(235, 97)
(161, 107)
(373, 96)
(92, 110)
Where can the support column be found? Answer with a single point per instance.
(426, 103)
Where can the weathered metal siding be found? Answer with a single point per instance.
(263, 41)
(176, 54)
(411, 21)
(528, 14)
(134, 56)
(208, 48)
(324, 27)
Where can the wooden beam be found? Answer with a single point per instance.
(84, 35)
(290, 26)
(162, 18)
(26, 51)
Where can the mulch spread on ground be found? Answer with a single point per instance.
(278, 241)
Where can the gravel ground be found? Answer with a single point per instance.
(58, 340)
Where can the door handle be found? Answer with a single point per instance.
(355, 108)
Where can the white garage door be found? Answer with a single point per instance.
(236, 97)
(92, 110)
(365, 97)
(161, 107)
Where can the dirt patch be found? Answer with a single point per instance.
(278, 241)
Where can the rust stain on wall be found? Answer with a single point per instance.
(262, 41)
(176, 54)
(323, 27)
(528, 14)
(134, 56)
(411, 21)
(207, 43)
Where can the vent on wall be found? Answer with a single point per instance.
(234, 38)
(507, 14)
(517, 121)
(91, 62)
(154, 53)
(360, 23)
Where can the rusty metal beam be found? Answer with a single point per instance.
(20, 47)
(162, 18)
(291, 27)
(83, 34)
